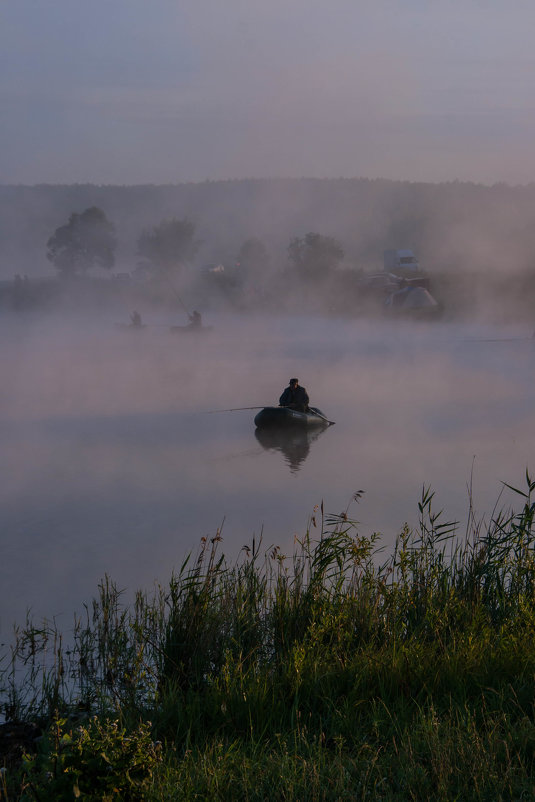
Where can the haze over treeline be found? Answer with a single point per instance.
(451, 226)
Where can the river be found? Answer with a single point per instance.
(114, 460)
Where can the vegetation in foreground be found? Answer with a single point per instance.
(327, 675)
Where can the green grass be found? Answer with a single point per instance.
(335, 673)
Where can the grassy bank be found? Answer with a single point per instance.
(330, 674)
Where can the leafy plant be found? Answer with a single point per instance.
(98, 760)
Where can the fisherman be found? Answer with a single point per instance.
(295, 397)
(195, 320)
(135, 319)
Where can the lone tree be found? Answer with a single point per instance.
(314, 255)
(253, 256)
(87, 240)
(169, 245)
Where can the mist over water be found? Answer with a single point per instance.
(113, 461)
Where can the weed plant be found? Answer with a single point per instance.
(333, 674)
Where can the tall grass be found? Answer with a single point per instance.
(334, 673)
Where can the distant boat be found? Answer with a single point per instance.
(281, 417)
(189, 329)
(131, 326)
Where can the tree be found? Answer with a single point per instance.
(168, 245)
(314, 255)
(253, 256)
(88, 239)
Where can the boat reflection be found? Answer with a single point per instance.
(293, 441)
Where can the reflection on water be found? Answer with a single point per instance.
(293, 442)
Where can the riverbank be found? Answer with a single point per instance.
(335, 673)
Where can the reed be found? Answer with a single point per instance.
(334, 673)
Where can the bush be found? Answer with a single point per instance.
(95, 761)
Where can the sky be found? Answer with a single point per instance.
(168, 91)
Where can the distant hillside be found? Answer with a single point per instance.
(451, 227)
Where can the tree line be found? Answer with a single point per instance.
(88, 240)
(476, 243)
(453, 227)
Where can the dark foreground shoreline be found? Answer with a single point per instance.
(333, 674)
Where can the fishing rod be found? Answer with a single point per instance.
(234, 409)
(499, 340)
(168, 277)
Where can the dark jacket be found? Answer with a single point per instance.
(296, 398)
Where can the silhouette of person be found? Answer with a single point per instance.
(135, 319)
(295, 397)
(195, 320)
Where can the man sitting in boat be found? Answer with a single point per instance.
(135, 320)
(295, 397)
(195, 320)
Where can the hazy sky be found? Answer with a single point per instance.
(132, 91)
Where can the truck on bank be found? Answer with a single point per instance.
(401, 262)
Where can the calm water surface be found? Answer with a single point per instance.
(112, 460)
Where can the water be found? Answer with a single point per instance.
(112, 460)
